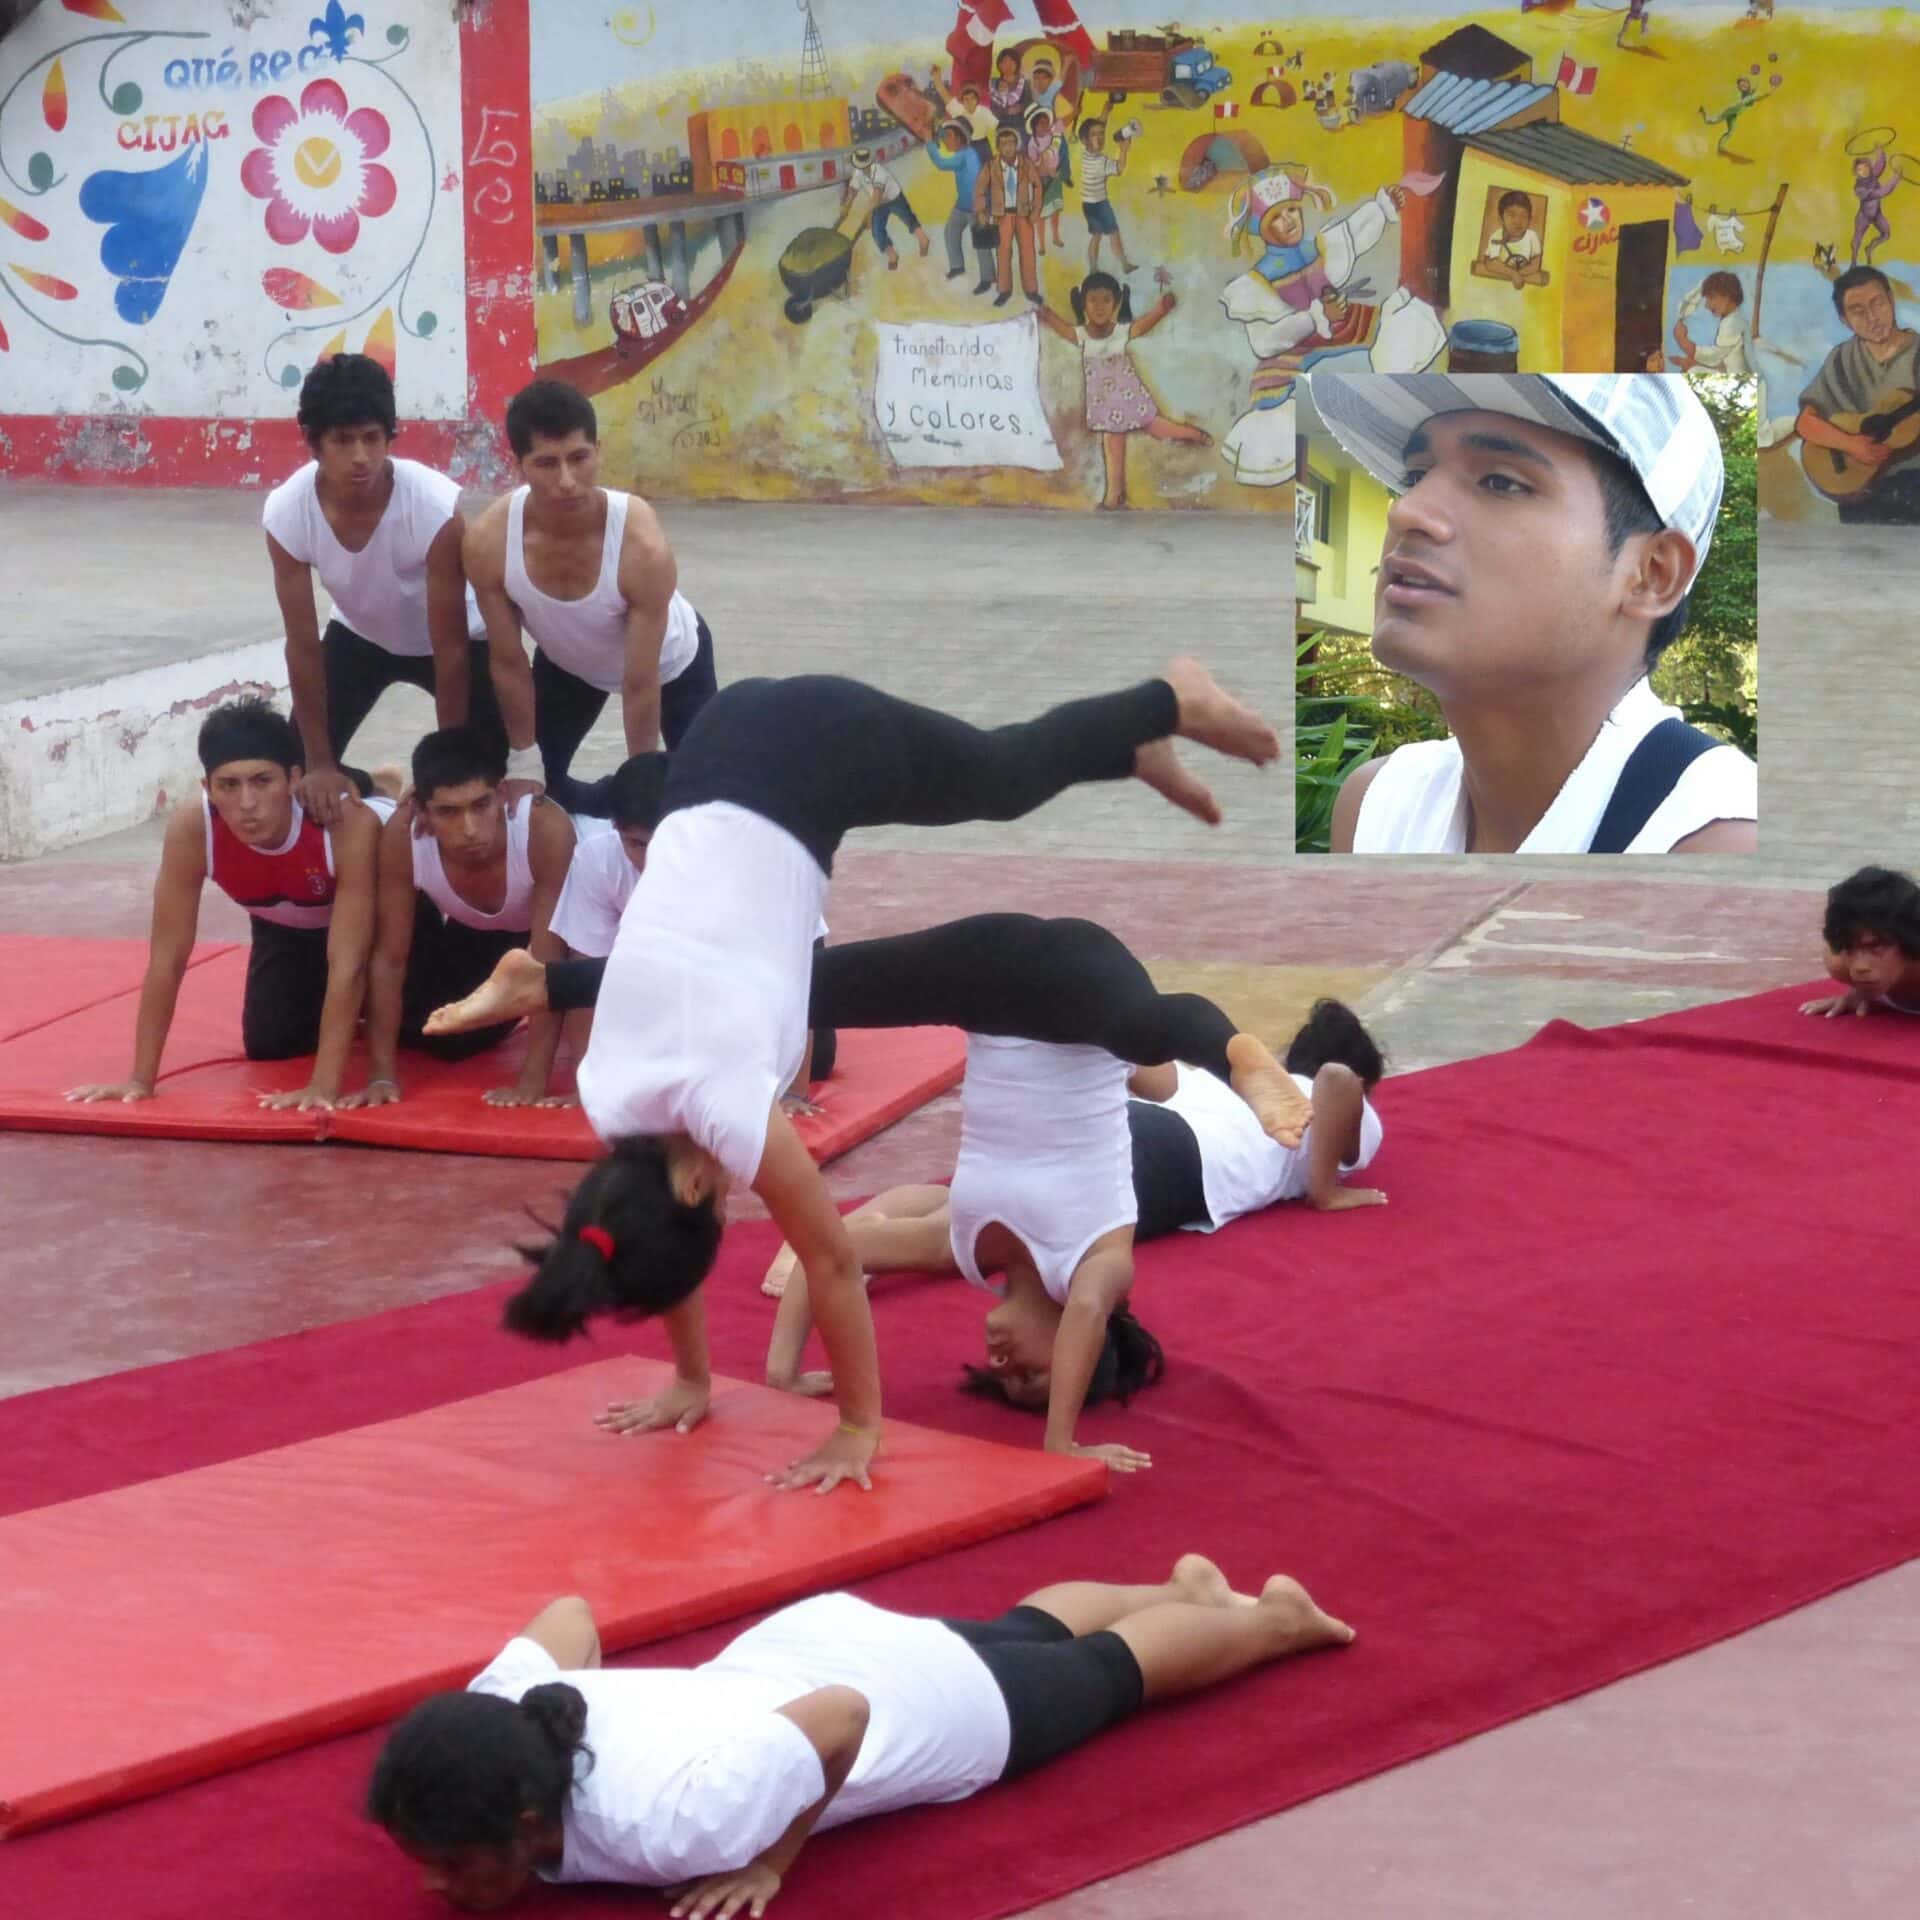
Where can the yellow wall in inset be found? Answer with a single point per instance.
(1347, 551)
(776, 127)
(1569, 322)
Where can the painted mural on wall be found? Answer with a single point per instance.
(191, 214)
(1048, 252)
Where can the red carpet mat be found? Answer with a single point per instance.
(43, 979)
(333, 1583)
(209, 1092)
(1628, 1365)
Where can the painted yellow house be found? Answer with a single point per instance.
(1340, 525)
(1600, 215)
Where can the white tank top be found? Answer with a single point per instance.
(1417, 802)
(516, 910)
(380, 592)
(1045, 1151)
(588, 636)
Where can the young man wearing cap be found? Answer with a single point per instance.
(889, 202)
(1536, 564)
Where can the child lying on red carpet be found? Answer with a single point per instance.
(1873, 944)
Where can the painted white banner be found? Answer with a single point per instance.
(963, 396)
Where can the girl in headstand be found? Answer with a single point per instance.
(1060, 1174)
(709, 1781)
(704, 1019)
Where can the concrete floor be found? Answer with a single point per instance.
(1768, 1775)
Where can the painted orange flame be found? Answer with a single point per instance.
(47, 284)
(380, 342)
(338, 344)
(94, 9)
(53, 97)
(24, 224)
(295, 292)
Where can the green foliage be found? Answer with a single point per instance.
(1346, 712)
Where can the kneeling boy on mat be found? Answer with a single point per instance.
(708, 1781)
(463, 879)
(1873, 944)
(308, 890)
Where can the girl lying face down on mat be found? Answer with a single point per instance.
(709, 1781)
(1060, 1174)
(704, 1019)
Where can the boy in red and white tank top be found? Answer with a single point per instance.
(307, 888)
(463, 879)
(588, 574)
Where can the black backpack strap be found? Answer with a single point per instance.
(1652, 772)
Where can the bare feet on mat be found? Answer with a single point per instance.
(1210, 715)
(1196, 1578)
(784, 1262)
(1306, 1625)
(1159, 766)
(516, 987)
(1265, 1085)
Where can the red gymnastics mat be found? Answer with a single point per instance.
(43, 979)
(1628, 1365)
(209, 1091)
(332, 1583)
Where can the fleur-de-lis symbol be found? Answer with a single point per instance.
(336, 27)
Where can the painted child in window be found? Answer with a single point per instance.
(1118, 400)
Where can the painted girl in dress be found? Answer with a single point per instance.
(1118, 402)
(1047, 148)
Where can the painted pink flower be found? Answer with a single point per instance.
(315, 167)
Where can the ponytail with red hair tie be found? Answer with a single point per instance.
(599, 1239)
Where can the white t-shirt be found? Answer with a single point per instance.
(1514, 253)
(1096, 169)
(381, 591)
(1045, 1151)
(1111, 345)
(600, 881)
(1241, 1170)
(696, 1772)
(702, 1017)
(1417, 802)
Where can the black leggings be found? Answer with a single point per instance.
(1169, 1186)
(1069, 983)
(447, 960)
(820, 755)
(285, 992)
(358, 673)
(565, 708)
(1060, 1691)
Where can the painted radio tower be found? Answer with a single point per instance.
(815, 80)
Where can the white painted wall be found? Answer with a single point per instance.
(160, 180)
(90, 760)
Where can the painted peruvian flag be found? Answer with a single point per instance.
(1226, 110)
(1573, 77)
(971, 41)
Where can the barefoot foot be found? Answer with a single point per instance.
(1265, 1085)
(516, 987)
(1197, 1579)
(784, 1262)
(1213, 717)
(1305, 1625)
(1159, 766)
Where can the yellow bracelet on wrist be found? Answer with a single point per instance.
(862, 1433)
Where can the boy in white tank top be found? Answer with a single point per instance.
(1537, 562)
(587, 573)
(383, 536)
(308, 891)
(463, 878)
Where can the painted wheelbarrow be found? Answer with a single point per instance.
(816, 265)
